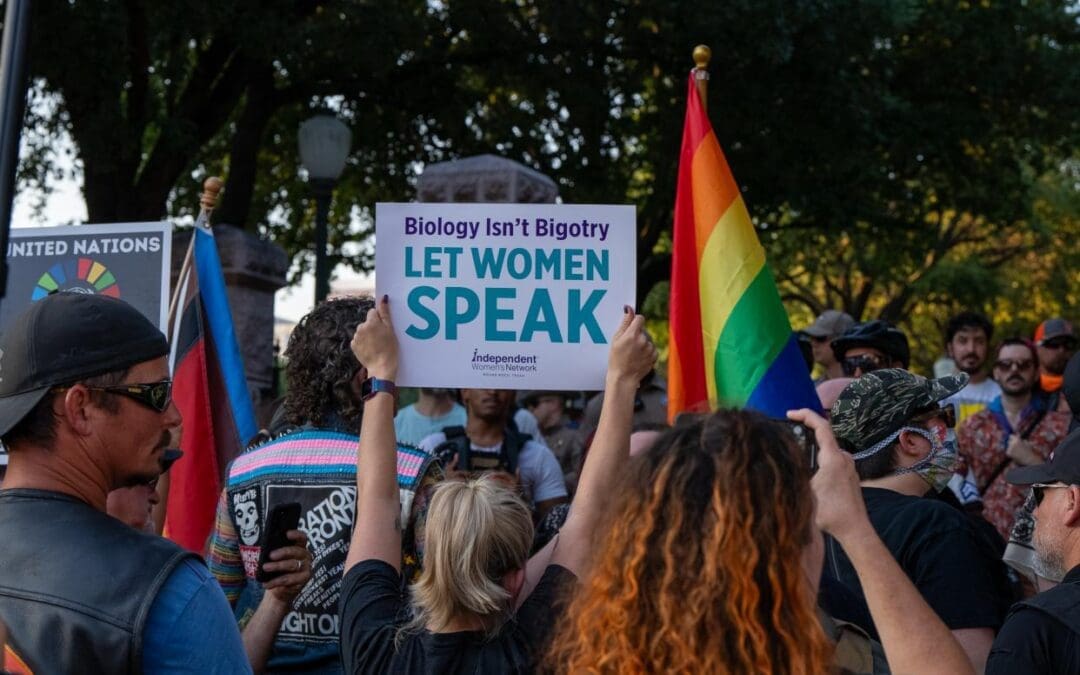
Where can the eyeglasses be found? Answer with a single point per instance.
(154, 395)
(1009, 364)
(1062, 343)
(865, 363)
(946, 413)
(1038, 489)
(819, 338)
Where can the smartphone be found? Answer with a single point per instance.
(283, 517)
(806, 439)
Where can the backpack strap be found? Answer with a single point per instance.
(513, 442)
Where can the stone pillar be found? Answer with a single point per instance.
(485, 178)
(254, 269)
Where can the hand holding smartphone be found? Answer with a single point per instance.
(807, 441)
(282, 518)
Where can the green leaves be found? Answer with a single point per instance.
(895, 155)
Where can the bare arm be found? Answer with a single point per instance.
(632, 356)
(976, 643)
(262, 629)
(378, 511)
(914, 638)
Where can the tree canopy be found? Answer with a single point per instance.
(900, 159)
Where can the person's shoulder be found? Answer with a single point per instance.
(298, 447)
(1026, 619)
(1057, 422)
(141, 543)
(189, 573)
(923, 511)
(979, 419)
(430, 442)
(535, 450)
(932, 519)
(187, 580)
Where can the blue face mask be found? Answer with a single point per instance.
(938, 467)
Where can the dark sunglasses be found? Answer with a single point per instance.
(154, 395)
(1009, 364)
(866, 363)
(1063, 343)
(820, 338)
(946, 413)
(1039, 490)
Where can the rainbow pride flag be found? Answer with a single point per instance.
(731, 341)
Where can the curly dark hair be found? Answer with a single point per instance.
(321, 365)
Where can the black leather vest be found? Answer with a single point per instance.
(76, 585)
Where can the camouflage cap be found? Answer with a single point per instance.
(879, 403)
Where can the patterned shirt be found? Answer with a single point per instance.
(982, 440)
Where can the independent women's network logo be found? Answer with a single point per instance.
(503, 363)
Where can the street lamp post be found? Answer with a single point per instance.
(324, 146)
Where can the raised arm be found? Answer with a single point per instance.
(915, 639)
(378, 510)
(632, 356)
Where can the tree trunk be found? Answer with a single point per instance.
(259, 106)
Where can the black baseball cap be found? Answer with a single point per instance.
(1063, 467)
(67, 337)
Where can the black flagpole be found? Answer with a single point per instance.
(13, 66)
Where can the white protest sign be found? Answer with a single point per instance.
(505, 296)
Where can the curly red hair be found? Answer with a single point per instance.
(699, 565)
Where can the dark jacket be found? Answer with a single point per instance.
(76, 585)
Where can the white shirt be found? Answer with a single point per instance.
(973, 398)
(540, 473)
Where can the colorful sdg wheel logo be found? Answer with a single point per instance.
(77, 276)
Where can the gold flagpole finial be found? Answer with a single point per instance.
(211, 188)
(702, 55)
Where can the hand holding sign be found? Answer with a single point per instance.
(633, 353)
(374, 344)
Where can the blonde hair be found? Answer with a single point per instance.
(478, 530)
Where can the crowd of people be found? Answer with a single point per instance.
(911, 525)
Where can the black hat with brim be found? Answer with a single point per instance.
(881, 402)
(68, 337)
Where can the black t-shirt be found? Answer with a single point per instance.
(373, 609)
(941, 553)
(1032, 641)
